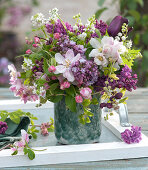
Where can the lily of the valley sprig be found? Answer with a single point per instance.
(76, 63)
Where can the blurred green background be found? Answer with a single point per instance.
(15, 17)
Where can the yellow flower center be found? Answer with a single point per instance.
(67, 63)
(100, 50)
(100, 58)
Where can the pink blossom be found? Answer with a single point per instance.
(65, 63)
(53, 77)
(86, 93)
(65, 85)
(35, 45)
(57, 36)
(36, 40)
(52, 69)
(44, 132)
(46, 86)
(79, 99)
(28, 51)
(29, 42)
(25, 136)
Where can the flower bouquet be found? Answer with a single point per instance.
(81, 68)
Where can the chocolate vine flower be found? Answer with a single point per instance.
(116, 25)
(132, 136)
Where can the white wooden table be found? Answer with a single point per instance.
(138, 116)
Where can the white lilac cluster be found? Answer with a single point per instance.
(53, 14)
(106, 51)
(38, 19)
(27, 65)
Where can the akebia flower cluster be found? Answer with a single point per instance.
(76, 63)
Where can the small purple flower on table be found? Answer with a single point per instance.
(132, 136)
(3, 127)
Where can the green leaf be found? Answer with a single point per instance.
(15, 152)
(25, 151)
(87, 120)
(16, 119)
(70, 103)
(135, 14)
(141, 2)
(99, 12)
(71, 91)
(94, 101)
(28, 73)
(123, 100)
(54, 86)
(31, 154)
(145, 38)
(145, 61)
(101, 2)
(86, 102)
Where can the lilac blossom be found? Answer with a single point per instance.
(85, 72)
(64, 44)
(3, 127)
(132, 136)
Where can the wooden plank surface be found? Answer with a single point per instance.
(138, 115)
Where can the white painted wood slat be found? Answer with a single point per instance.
(76, 153)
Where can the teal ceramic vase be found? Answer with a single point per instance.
(68, 129)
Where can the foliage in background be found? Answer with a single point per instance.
(136, 12)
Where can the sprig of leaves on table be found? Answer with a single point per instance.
(15, 116)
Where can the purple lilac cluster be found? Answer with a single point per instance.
(102, 27)
(85, 72)
(39, 66)
(132, 136)
(64, 44)
(126, 80)
(3, 127)
(58, 28)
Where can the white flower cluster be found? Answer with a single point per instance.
(90, 24)
(53, 14)
(27, 64)
(129, 44)
(38, 19)
(122, 35)
(40, 92)
(82, 36)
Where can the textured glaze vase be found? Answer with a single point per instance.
(68, 129)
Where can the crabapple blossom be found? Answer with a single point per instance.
(79, 99)
(64, 85)
(28, 51)
(86, 93)
(52, 69)
(65, 63)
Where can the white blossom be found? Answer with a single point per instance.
(38, 19)
(53, 14)
(129, 44)
(82, 36)
(27, 64)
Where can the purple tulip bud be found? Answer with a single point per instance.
(116, 25)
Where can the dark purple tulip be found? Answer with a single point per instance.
(116, 25)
